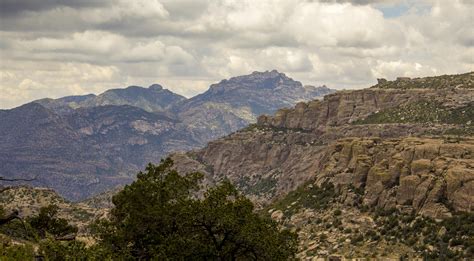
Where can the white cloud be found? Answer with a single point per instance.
(71, 48)
(88, 42)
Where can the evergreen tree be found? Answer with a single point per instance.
(160, 217)
(48, 222)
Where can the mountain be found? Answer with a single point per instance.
(383, 171)
(28, 201)
(83, 145)
(234, 103)
(77, 154)
(152, 99)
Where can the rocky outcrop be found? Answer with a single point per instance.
(459, 81)
(345, 107)
(407, 164)
(421, 173)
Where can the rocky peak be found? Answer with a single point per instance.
(155, 87)
(238, 101)
(269, 74)
(256, 80)
(152, 99)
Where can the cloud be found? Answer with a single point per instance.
(52, 48)
(362, 2)
(14, 7)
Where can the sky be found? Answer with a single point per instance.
(54, 48)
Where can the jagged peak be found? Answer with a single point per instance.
(266, 74)
(255, 76)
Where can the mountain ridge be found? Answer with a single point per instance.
(83, 145)
(152, 99)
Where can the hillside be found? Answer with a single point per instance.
(83, 145)
(341, 170)
(28, 200)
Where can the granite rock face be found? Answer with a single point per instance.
(418, 173)
(346, 107)
(416, 163)
(379, 172)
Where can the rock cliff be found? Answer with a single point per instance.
(311, 140)
(403, 152)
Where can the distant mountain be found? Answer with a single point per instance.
(83, 152)
(232, 104)
(83, 145)
(152, 99)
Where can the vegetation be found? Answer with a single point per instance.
(54, 250)
(422, 112)
(448, 239)
(48, 222)
(13, 252)
(306, 196)
(260, 186)
(42, 229)
(451, 238)
(158, 217)
(163, 216)
(255, 127)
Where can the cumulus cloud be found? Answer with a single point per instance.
(14, 7)
(363, 2)
(53, 48)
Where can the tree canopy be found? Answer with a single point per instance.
(163, 216)
(48, 222)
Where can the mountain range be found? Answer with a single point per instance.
(83, 145)
(384, 172)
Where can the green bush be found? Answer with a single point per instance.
(9, 252)
(47, 222)
(306, 196)
(56, 251)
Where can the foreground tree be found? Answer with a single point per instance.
(226, 227)
(158, 217)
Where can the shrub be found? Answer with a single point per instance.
(47, 222)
